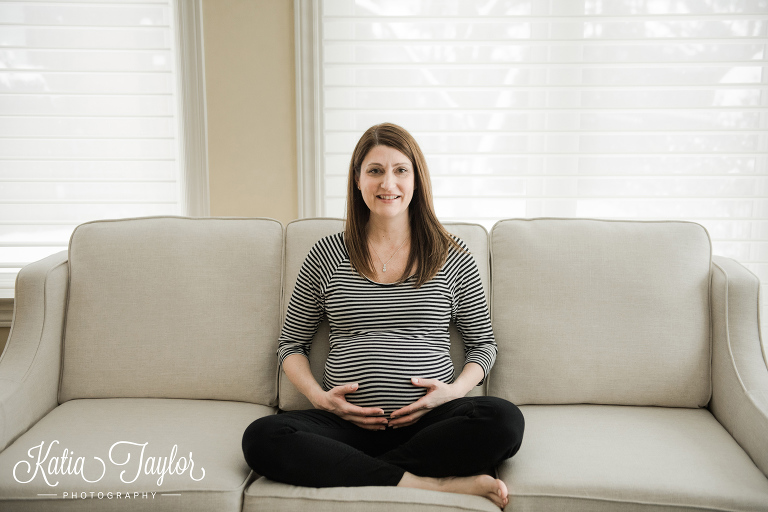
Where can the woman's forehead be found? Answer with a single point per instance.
(386, 155)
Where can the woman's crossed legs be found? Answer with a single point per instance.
(464, 437)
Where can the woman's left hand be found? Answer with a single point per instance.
(438, 393)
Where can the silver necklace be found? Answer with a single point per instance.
(384, 269)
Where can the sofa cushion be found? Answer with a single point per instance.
(595, 458)
(207, 432)
(171, 307)
(601, 311)
(265, 494)
(300, 236)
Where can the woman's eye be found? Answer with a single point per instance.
(402, 170)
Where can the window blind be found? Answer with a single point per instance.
(622, 109)
(88, 121)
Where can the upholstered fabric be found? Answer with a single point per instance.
(739, 376)
(264, 494)
(208, 432)
(300, 236)
(171, 338)
(599, 311)
(31, 361)
(172, 307)
(589, 458)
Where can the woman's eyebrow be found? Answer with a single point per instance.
(393, 165)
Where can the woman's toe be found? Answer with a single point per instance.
(503, 488)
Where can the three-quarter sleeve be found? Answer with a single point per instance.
(471, 316)
(305, 309)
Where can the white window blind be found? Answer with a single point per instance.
(628, 109)
(88, 121)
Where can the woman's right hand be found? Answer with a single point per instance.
(296, 367)
(334, 400)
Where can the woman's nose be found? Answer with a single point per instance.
(388, 181)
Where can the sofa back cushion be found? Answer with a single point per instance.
(300, 236)
(172, 307)
(599, 311)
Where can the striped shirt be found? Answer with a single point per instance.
(381, 335)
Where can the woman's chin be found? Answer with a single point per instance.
(389, 212)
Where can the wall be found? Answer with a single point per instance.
(251, 108)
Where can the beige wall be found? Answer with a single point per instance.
(250, 95)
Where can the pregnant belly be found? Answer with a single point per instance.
(383, 371)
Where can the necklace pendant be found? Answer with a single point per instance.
(385, 268)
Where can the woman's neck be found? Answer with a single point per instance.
(388, 231)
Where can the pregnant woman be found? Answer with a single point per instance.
(389, 411)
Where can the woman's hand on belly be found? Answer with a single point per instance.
(438, 392)
(334, 400)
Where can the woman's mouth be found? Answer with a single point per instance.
(387, 198)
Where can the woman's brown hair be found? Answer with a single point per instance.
(430, 241)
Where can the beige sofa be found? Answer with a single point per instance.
(634, 355)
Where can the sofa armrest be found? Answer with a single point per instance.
(739, 369)
(31, 362)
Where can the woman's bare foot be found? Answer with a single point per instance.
(479, 485)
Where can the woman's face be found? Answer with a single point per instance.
(387, 182)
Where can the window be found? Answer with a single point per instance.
(630, 109)
(91, 125)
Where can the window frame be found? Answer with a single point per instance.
(309, 130)
(194, 196)
(310, 121)
(192, 147)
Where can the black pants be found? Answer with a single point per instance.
(314, 448)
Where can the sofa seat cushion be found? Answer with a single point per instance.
(608, 458)
(208, 433)
(265, 494)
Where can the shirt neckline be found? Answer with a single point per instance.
(381, 284)
(344, 243)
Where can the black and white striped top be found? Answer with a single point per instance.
(384, 334)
